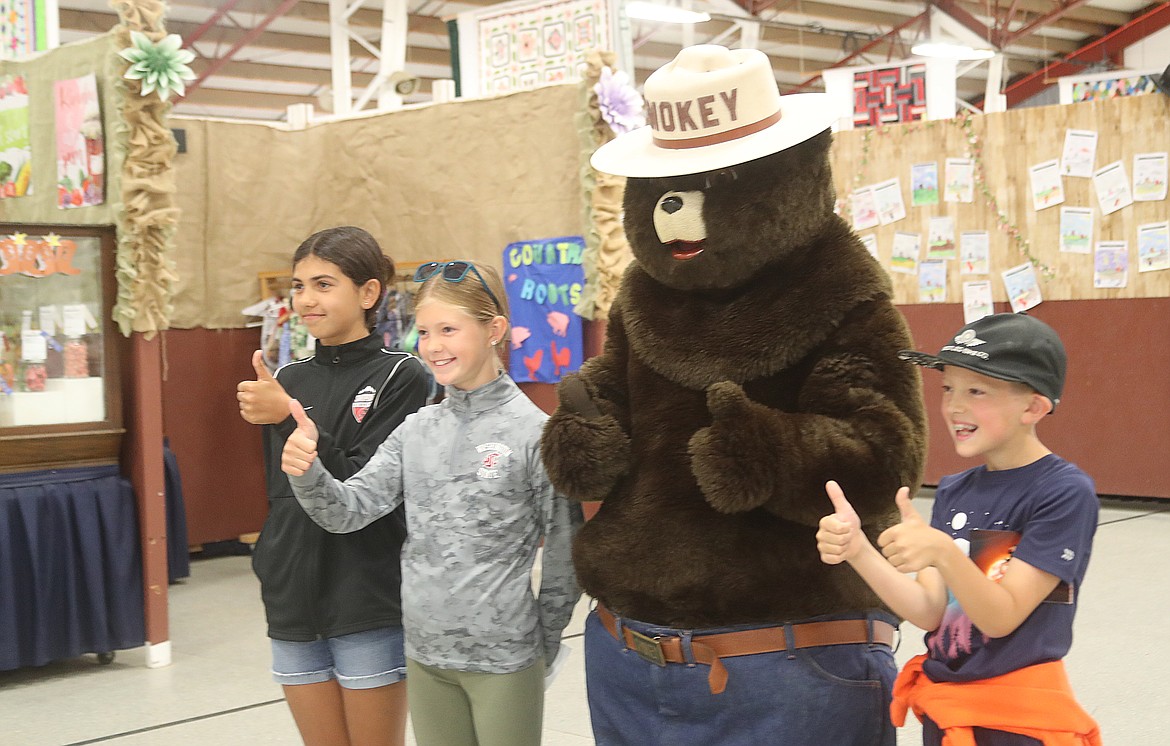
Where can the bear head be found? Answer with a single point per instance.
(718, 229)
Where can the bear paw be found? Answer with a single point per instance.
(726, 458)
(584, 457)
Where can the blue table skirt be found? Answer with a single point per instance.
(70, 566)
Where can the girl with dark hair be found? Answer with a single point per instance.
(333, 601)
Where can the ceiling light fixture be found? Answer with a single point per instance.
(648, 11)
(951, 51)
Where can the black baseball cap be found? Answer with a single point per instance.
(1007, 346)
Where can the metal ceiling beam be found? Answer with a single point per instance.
(243, 42)
(1006, 18)
(1086, 14)
(965, 19)
(314, 77)
(1112, 43)
(892, 35)
(1003, 37)
(198, 33)
(1058, 13)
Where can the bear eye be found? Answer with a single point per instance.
(720, 178)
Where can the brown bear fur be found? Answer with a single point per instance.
(731, 387)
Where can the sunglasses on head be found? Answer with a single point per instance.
(453, 272)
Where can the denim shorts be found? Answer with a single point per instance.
(362, 660)
(835, 694)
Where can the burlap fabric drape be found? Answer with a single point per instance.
(607, 252)
(146, 224)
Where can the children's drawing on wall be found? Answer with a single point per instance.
(904, 256)
(1076, 230)
(15, 148)
(977, 300)
(890, 206)
(932, 281)
(865, 209)
(924, 184)
(1080, 151)
(869, 241)
(960, 180)
(80, 143)
(1023, 290)
(975, 251)
(1112, 186)
(1111, 264)
(544, 279)
(941, 238)
(1149, 177)
(1047, 188)
(1154, 246)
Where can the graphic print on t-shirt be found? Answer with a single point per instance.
(990, 550)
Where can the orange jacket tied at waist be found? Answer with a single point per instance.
(1035, 701)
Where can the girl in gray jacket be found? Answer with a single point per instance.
(478, 504)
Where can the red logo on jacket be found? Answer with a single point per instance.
(361, 403)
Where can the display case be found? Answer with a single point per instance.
(60, 390)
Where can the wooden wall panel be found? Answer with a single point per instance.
(220, 456)
(1010, 143)
(1112, 420)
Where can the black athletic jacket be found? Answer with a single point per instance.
(316, 584)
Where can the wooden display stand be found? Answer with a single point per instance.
(51, 429)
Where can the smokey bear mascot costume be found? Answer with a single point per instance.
(751, 355)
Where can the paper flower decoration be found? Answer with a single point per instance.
(620, 104)
(161, 66)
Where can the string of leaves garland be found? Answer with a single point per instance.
(974, 148)
(607, 252)
(146, 224)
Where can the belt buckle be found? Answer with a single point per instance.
(648, 648)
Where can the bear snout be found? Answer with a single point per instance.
(678, 216)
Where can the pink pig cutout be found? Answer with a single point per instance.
(519, 334)
(559, 323)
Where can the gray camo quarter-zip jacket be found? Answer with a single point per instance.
(478, 504)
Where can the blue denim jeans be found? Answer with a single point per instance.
(835, 694)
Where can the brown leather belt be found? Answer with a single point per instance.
(708, 649)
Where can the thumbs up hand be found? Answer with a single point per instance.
(912, 545)
(301, 447)
(839, 536)
(263, 401)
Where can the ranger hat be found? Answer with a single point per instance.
(710, 108)
(1007, 346)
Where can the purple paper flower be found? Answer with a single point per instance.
(620, 104)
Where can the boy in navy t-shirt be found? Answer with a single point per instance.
(999, 566)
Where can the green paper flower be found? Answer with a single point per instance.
(161, 66)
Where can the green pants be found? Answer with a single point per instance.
(466, 708)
